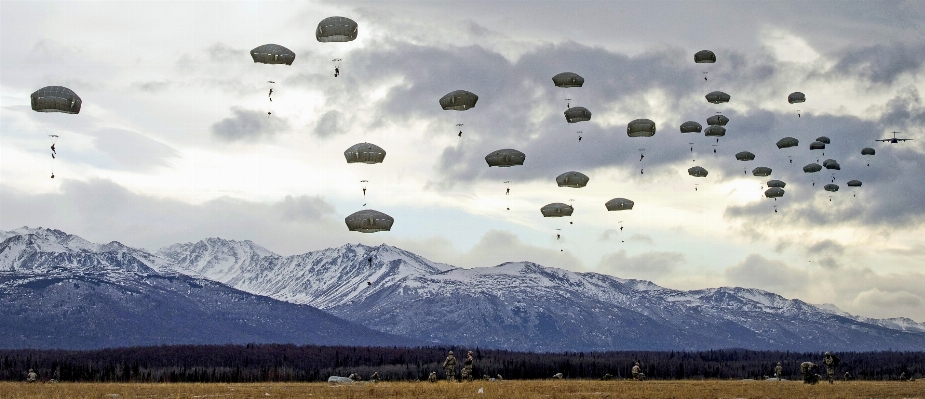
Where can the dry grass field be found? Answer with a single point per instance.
(574, 389)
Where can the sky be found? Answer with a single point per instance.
(173, 142)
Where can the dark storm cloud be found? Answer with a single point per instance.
(881, 63)
(248, 124)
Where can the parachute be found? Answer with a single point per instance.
(568, 79)
(812, 168)
(715, 131)
(761, 171)
(697, 171)
(640, 128)
(823, 140)
(854, 183)
(704, 57)
(55, 99)
(718, 119)
(619, 204)
(691, 127)
(459, 100)
(336, 29)
(796, 97)
(745, 156)
(831, 187)
(577, 114)
(369, 221)
(718, 97)
(868, 151)
(774, 192)
(831, 164)
(776, 183)
(272, 54)
(505, 158)
(556, 209)
(817, 145)
(572, 179)
(364, 153)
(787, 142)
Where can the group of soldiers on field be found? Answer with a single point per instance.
(449, 367)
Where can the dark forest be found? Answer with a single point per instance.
(289, 363)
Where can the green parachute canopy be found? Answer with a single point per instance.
(697, 171)
(572, 179)
(272, 54)
(718, 97)
(704, 57)
(787, 142)
(796, 97)
(577, 114)
(568, 79)
(56, 99)
(761, 171)
(369, 221)
(336, 29)
(640, 128)
(776, 183)
(774, 192)
(364, 153)
(720, 120)
(556, 209)
(714, 131)
(619, 204)
(459, 100)
(691, 127)
(745, 156)
(812, 168)
(505, 158)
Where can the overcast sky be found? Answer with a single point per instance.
(173, 142)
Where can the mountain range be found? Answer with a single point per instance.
(390, 296)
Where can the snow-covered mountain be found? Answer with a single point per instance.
(525, 306)
(61, 291)
(518, 306)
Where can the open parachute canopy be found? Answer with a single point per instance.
(556, 209)
(505, 158)
(824, 140)
(745, 156)
(697, 171)
(718, 97)
(761, 171)
(776, 183)
(369, 221)
(720, 120)
(364, 153)
(704, 57)
(812, 168)
(796, 97)
(774, 192)
(619, 204)
(691, 127)
(817, 145)
(458, 100)
(577, 114)
(714, 131)
(336, 29)
(787, 142)
(641, 128)
(854, 183)
(868, 151)
(568, 79)
(272, 54)
(572, 179)
(831, 187)
(56, 99)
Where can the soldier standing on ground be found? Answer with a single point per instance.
(467, 367)
(432, 377)
(808, 369)
(902, 377)
(637, 372)
(32, 376)
(374, 377)
(847, 376)
(449, 365)
(831, 362)
(778, 370)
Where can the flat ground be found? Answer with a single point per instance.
(571, 389)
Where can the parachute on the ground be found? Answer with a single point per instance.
(619, 204)
(787, 142)
(774, 192)
(568, 79)
(336, 29)
(714, 131)
(572, 179)
(718, 97)
(868, 151)
(697, 171)
(817, 145)
(272, 54)
(745, 156)
(824, 140)
(812, 168)
(704, 57)
(640, 128)
(56, 99)
(831, 187)
(364, 153)
(761, 171)
(577, 114)
(796, 97)
(369, 221)
(776, 183)
(720, 120)
(691, 127)
(458, 100)
(505, 158)
(556, 209)
(854, 183)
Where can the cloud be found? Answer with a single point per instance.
(130, 150)
(497, 247)
(756, 271)
(881, 63)
(330, 124)
(647, 265)
(874, 300)
(248, 125)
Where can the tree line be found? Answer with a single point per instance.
(291, 363)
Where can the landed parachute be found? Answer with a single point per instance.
(640, 128)
(787, 142)
(704, 57)
(505, 158)
(365, 153)
(556, 209)
(718, 97)
(577, 114)
(273, 54)
(568, 79)
(619, 204)
(697, 171)
(761, 171)
(459, 100)
(572, 179)
(336, 30)
(56, 99)
(745, 156)
(691, 127)
(796, 97)
(369, 221)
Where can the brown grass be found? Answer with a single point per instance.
(573, 389)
